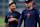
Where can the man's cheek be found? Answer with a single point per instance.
(11, 7)
(31, 4)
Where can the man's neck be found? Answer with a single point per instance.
(30, 8)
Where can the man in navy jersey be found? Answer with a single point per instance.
(12, 18)
(34, 4)
(30, 15)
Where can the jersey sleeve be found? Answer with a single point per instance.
(21, 19)
(37, 16)
(6, 20)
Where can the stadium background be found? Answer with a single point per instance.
(20, 6)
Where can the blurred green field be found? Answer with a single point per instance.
(23, 23)
(2, 19)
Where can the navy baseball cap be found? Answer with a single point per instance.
(28, 0)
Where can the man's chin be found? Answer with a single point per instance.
(13, 10)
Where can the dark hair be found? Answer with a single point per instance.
(12, 3)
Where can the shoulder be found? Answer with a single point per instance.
(24, 11)
(7, 13)
(17, 12)
(36, 9)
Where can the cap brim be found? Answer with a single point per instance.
(28, 1)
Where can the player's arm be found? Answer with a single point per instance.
(20, 20)
(37, 16)
(5, 24)
(17, 19)
(14, 19)
(6, 20)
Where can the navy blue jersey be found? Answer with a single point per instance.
(12, 15)
(30, 18)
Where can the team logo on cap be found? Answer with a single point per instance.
(26, 0)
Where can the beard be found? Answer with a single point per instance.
(13, 9)
(28, 8)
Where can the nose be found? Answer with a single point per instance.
(27, 4)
